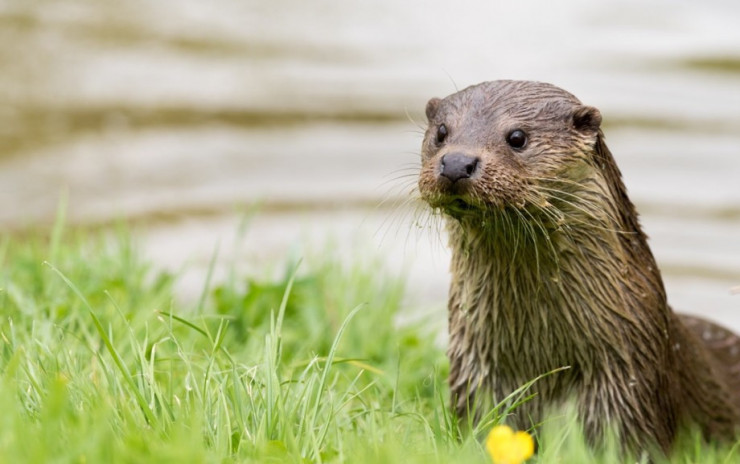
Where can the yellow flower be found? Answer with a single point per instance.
(507, 447)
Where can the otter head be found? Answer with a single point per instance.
(497, 145)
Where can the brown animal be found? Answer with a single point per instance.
(550, 268)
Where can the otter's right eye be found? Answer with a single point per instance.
(441, 134)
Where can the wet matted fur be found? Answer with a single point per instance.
(550, 268)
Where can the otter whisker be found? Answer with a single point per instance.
(589, 213)
(398, 203)
(530, 232)
(558, 180)
(515, 237)
(583, 189)
(422, 127)
(545, 235)
(409, 179)
(579, 199)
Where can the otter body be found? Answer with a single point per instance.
(550, 268)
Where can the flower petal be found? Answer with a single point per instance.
(507, 447)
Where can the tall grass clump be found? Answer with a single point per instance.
(101, 363)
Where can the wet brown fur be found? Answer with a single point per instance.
(550, 268)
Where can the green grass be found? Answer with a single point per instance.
(99, 362)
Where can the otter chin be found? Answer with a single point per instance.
(551, 269)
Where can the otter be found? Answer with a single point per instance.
(550, 268)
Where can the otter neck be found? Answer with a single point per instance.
(554, 296)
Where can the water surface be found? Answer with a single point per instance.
(178, 115)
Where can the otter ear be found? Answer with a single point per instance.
(586, 118)
(432, 106)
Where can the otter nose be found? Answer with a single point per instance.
(456, 166)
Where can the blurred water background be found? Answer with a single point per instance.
(180, 115)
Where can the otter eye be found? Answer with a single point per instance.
(516, 138)
(441, 133)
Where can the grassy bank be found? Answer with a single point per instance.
(99, 362)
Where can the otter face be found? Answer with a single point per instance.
(489, 146)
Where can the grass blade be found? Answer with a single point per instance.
(148, 413)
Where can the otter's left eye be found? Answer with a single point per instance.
(516, 138)
(441, 134)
